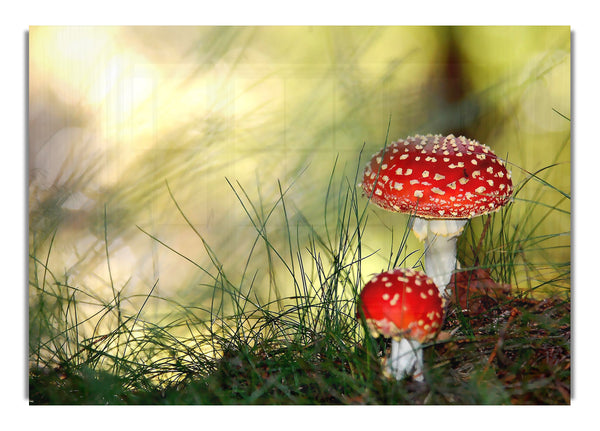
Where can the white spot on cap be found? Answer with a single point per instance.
(408, 172)
(398, 186)
(425, 174)
(438, 191)
(418, 193)
(480, 189)
(438, 177)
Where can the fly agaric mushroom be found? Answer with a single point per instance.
(444, 181)
(405, 305)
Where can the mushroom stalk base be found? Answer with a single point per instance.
(440, 261)
(406, 359)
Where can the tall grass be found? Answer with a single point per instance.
(146, 353)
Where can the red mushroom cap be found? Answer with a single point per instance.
(438, 177)
(402, 303)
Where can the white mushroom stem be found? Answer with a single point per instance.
(406, 359)
(440, 238)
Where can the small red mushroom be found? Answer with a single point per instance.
(443, 181)
(405, 305)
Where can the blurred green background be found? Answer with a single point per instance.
(116, 113)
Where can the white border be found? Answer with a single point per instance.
(580, 15)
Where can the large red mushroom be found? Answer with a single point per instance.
(405, 305)
(443, 181)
